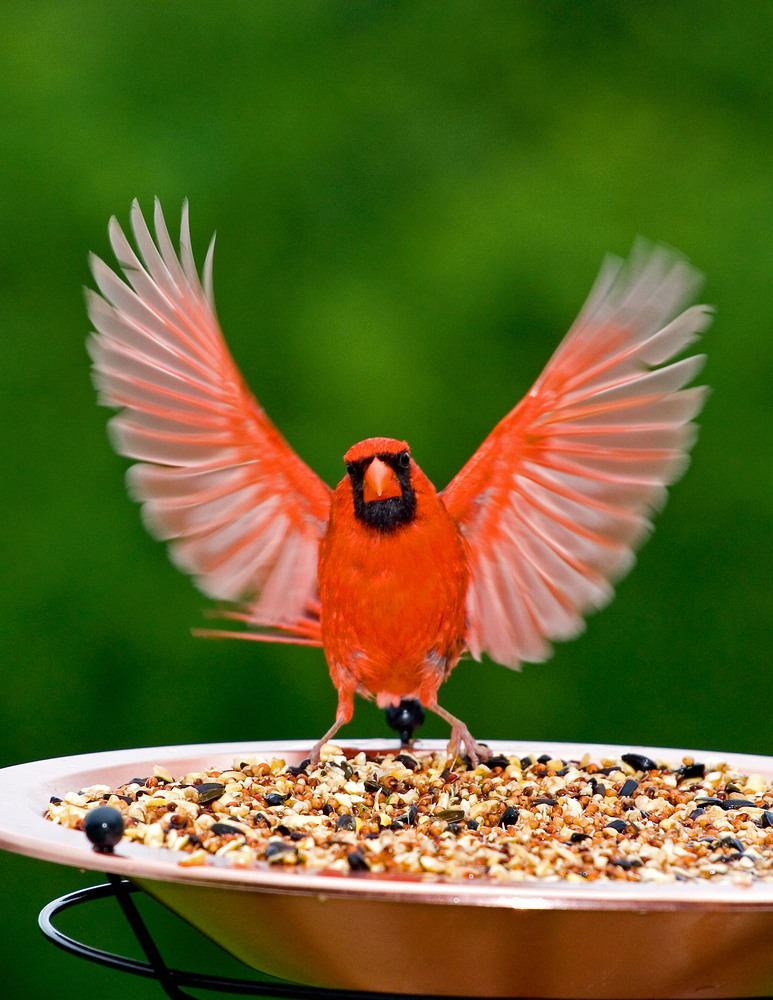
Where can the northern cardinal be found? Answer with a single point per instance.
(394, 580)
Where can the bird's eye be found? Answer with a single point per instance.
(404, 459)
(351, 468)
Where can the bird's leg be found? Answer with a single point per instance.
(343, 715)
(315, 750)
(460, 737)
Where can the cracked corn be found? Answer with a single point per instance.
(512, 819)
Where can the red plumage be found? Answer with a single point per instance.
(393, 579)
(392, 601)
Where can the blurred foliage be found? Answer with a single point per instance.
(412, 200)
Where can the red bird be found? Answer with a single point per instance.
(394, 580)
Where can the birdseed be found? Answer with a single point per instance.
(514, 819)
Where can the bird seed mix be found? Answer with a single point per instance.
(511, 819)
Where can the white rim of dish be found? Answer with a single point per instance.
(25, 790)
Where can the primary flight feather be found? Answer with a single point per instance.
(393, 579)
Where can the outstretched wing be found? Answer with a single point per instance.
(242, 512)
(555, 500)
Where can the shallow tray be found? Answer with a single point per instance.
(362, 931)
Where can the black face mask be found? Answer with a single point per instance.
(392, 512)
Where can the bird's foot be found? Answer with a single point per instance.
(316, 750)
(460, 737)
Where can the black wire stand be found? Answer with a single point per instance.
(175, 981)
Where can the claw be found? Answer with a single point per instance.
(460, 737)
(316, 750)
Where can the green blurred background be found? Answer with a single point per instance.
(412, 200)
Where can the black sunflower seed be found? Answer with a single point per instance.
(371, 785)
(277, 847)
(208, 791)
(690, 771)
(577, 836)
(407, 761)
(508, 817)
(299, 768)
(617, 824)
(766, 820)
(357, 862)
(297, 835)
(733, 842)
(275, 799)
(639, 762)
(412, 813)
(628, 788)
(544, 802)
(625, 863)
(222, 829)
(346, 822)
(725, 804)
(450, 815)
(498, 760)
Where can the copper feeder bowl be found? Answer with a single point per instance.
(423, 935)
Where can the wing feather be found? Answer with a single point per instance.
(556, 499)
(242, 513)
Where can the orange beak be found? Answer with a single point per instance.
(380, 482)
